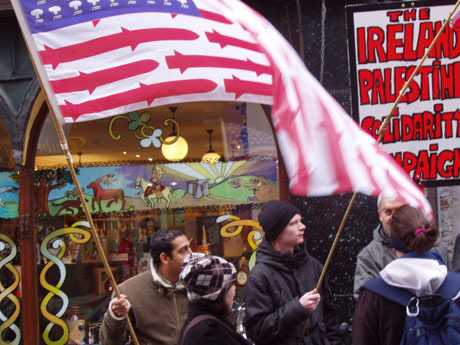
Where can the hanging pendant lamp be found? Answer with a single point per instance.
(174, 148)
(210, 157)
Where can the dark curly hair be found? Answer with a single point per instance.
(407, 224)
(161, 243)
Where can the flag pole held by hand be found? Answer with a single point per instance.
(56, 116)
(381, 133)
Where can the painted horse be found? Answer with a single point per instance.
(152, 195)
(102, 194)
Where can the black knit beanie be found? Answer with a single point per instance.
(274, 217)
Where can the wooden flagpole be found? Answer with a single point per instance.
(381, 133)
(55, 111)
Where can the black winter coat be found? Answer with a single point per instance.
(274, 315)
(210, 331)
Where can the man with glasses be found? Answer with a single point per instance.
(379, 252)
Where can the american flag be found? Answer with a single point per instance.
(106, 57)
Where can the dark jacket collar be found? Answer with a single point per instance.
(205, 307)
(285, 261)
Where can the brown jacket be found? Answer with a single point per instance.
(158, 313)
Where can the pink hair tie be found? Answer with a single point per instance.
(420, 230)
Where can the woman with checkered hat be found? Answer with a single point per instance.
(210, 284)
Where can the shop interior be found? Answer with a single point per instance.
(197, 167)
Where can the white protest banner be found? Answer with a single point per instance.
(386, 43)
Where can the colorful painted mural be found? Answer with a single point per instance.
(174, 185)
(9, 195)
(143, 187)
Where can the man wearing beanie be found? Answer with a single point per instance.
(282, 306)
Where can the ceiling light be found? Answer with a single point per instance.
(138, 156)
(210, 157)
(174, 148)
(150, 159)
(124, 153)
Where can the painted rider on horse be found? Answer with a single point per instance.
(155, 185)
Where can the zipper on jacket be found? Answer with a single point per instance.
(175, 308)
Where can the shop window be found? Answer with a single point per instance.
(10, 289)
(6, 149)
(10, 271)
(133, 189)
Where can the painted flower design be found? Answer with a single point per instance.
(152, 140)
(137, 120)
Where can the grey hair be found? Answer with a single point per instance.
(383, 197)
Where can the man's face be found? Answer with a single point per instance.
(293, 233)
(386, 210)
(181, 249)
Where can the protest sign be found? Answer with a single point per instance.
(385, 44)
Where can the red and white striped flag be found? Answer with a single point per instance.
(106, 57)
(455, 21)
(324, 149)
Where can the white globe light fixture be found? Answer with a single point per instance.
(174, 148)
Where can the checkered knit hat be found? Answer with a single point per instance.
(207, 276)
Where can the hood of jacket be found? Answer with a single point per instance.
(379, 235)
(282, 261)
(421, 274)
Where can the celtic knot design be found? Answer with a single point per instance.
(54, 242)
(8, 322)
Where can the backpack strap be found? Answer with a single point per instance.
(395, 294)
(451, 286)
(449, 289)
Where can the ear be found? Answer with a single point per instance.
(164, 259)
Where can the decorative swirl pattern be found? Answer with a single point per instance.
(234, 228)
(7, 292)
(138, 124)
(80, 236)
